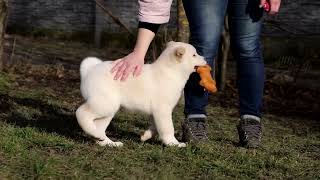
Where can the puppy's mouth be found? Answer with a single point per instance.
(196, 67)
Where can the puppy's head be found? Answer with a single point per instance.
(184, 56)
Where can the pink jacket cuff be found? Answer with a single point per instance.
(154, 11)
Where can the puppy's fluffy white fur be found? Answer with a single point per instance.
(156, 91)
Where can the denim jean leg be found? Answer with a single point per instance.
(245, 21)
(206, 19)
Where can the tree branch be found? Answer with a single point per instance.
(114, 18)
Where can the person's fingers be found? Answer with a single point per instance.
(274, 6)
(262, 2)
(126, 73)
(124, 77)
(116, 64)
(120, 71)
(137, 71)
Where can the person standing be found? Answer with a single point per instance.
(206, 20)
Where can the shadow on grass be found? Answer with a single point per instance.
(53, 119)
(116, 133)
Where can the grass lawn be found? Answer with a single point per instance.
(39, 138)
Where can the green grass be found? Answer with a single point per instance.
(40, 139)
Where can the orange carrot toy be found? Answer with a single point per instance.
(206, 79)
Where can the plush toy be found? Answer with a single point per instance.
(206, 79)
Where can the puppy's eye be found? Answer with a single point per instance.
(194, 55)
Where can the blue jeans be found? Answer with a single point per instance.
(206, 20)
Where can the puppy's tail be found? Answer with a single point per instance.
(87, 64)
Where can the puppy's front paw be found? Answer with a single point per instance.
(109, 143)
(172, 141)
(177, 144)
(115, 144)
(182, 145)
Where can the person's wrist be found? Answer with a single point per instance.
(139, 54)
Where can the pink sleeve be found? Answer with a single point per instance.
(154, 11)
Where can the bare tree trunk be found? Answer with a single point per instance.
(98, 28)
(3, 15)
(183, 24)
(223, 55)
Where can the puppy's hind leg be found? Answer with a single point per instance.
(86, 117)
(94, 125)
(107, 107)
(102, 124)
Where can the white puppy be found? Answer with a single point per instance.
(156, 91)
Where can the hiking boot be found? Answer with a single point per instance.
(194, 129)
(250, 131)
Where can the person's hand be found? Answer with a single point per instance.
(132, 63)
(274, 5)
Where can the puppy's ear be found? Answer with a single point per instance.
(169, 43)
(180, 51)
